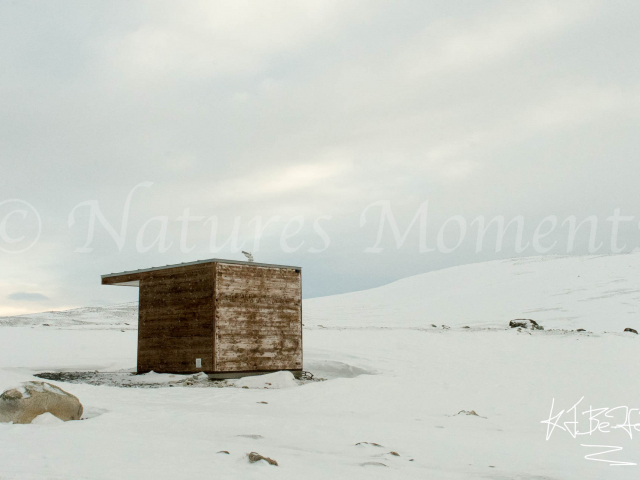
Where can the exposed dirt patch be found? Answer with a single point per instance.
(133, 380)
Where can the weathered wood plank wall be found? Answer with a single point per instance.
(258, 318)
(176, 319)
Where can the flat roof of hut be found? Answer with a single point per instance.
(223, 317)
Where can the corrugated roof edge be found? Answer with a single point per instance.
(212, 260)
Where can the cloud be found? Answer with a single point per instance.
(205, 38)
(236, 108)
(282, 182)
(492, 36)
(27, 297)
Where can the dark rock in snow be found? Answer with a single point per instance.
(256, 457)
(581, 330)
(631, 330)
(525, 323)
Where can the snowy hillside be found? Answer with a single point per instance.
(597, 293)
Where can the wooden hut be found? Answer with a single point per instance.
(222, 317)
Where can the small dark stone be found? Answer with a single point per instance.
(581, 330)
(631, 330)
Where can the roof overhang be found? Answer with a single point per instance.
(132, 278)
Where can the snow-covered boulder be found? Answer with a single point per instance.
(23, 404)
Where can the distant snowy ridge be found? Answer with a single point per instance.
(597, 293)
(111, 316)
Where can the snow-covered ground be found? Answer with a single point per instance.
(392, 381)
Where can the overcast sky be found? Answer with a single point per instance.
(308, 111)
